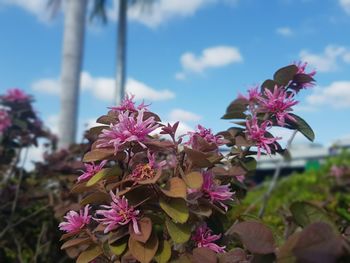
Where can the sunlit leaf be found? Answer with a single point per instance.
(305, 213)
(179, 233)
(89, 255)
(164, 252)
(175, 208)
(176, 188)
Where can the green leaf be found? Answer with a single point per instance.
(98, 155)
(95, 198)
(114, 171)
(194, 180)
(175, 208)
(164, 252)
(75, 242)
(119, 248)
(89, 255)
(249, 163)
(305, 214)
(284, 75)
(302, 127)
(179, 233)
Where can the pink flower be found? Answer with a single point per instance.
(204, 237)
(128, 104)
(257, 134)
(130, 128)
(302, 69)
(76, 221)
(212, 191)
(91, 170)
(253, 95)
(337, 171)
(15, 94)
(148, 170)
(279, 103)
(207, 135)
(119, 213)
(215, 192)
(5, 120)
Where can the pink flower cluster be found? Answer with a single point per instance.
(211, 190)
(91, 170)
(339, 171)
(205, 134)
(130, 128)
(204, 237)
(15, 95)
(119, 213)
(146, 171)
(279, 103)
(128, 104)
(258, 134)
(76, 221)
(271, 107)
(5, 120)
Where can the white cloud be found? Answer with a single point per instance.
(285, 31)
(336, 95)
(49, 86)
(90, 123)
(218, 56)
(183, 128)
(103, 88)
(328, 60)
(285, 135)
(183, 116)
(142, 91)
(345, 4)
(160, 12)
(32, 154)
(180, 76)
(152, 15)
(52, 123)
(39, 8)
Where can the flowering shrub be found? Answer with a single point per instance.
(151, 194)
(19, 125)
(26, 207)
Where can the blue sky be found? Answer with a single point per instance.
(189, 58)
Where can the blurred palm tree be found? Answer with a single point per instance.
(72, 55)
(73, 45)
(99, 10)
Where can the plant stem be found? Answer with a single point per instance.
(275, 177)
(272, 186)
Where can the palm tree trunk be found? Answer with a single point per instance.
(73, 45)
(121, 52)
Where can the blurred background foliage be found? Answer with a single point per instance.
(317, 185)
